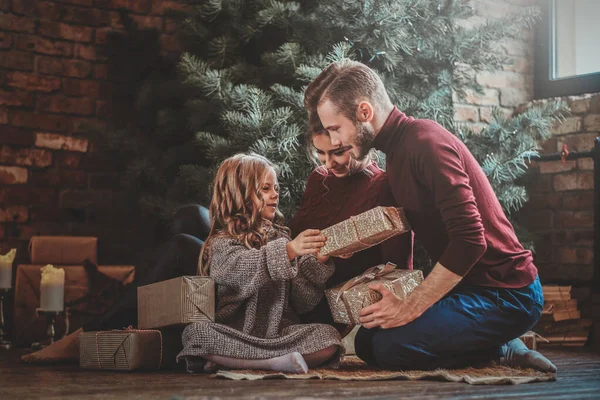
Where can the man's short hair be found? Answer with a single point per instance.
(345, 83)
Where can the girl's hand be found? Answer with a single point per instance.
(322, 259)
(307, 242)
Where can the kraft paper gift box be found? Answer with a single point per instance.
(364, 230)
(347, 299)
(129, 349)
(176, 302)
(29, 327)
(63, 250)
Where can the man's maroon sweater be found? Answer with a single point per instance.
(450, 204)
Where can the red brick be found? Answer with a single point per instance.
(101, 71)
(549, 146)
(579, 104)
(45, 46)
(16, 98)
(573, 181)
(68, 159)
(578, 201)
(577, 142)
(61, 142)
(74, 198)
(103, 35)
(12, 175)
(14, 195)
(160, 7)
(595, 104)
(105, 181)
(171, 25)
(515, 47)
(580, 238)
(148, 22)
(512, 97)
(60, 66)
(33, 82)
(89, 16)
(45, 212)
(501, 79)
(58, 104)
(2, 232)
(64, 31)
(13, 213)
(3, 115)
(16, 60)
(519, 64)
(77, 2)
(170, 44)
(585, 164)
(36, 8)
(489, 97)
(5, 40)
(10, 22)
(83, 125)
(568, 125)
(137, 6)
(591, 122)
(541, 183)
(23, 119)
(52, 122)
(575, 255)
(81, 88)
(103, 109)
(544, 252)
(15, 135)
(26, 157)
(575, 219)
(4, 5)
(466, 113)
(485, 113)
(58, 178)
(88, 53)
(551, 167)
(541, 219)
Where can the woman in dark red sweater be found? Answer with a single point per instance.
(336, 190)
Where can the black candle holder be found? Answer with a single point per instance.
(50, 330)
(5, 344)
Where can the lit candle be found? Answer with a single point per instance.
(6, 262)
(52, 289)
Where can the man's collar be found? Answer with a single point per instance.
(391, 129)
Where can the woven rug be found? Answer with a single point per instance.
(353, 369)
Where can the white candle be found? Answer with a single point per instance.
(6, 262)
(52, 288)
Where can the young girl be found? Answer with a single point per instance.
(264, 280)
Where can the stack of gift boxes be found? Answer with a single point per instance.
(57, 282)
(165, 308)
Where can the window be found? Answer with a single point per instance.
(567, 50)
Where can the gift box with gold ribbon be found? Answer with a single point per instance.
(176, 302)
(129, 349)
(364, 230)
(347, 299)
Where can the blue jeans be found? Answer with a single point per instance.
(466, 327)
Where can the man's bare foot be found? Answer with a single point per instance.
(63, 351)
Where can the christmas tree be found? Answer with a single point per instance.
(253, 59)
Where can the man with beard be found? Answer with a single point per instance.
(484, 291)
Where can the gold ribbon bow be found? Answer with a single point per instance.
(369, 275)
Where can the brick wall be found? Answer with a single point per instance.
(55, 78)
(560, 211)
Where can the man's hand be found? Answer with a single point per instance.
(389, 312)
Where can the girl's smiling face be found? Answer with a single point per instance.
(269, 194)
(335, 158)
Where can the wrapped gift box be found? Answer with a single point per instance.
(129, 349)
(63, 250)
(91, 301)
(347, 299)
(364, 230)
(176, 302)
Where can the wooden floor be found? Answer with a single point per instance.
(578, 378)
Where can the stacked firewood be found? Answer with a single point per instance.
(561, 323)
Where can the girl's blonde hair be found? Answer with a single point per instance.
(233, 211)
